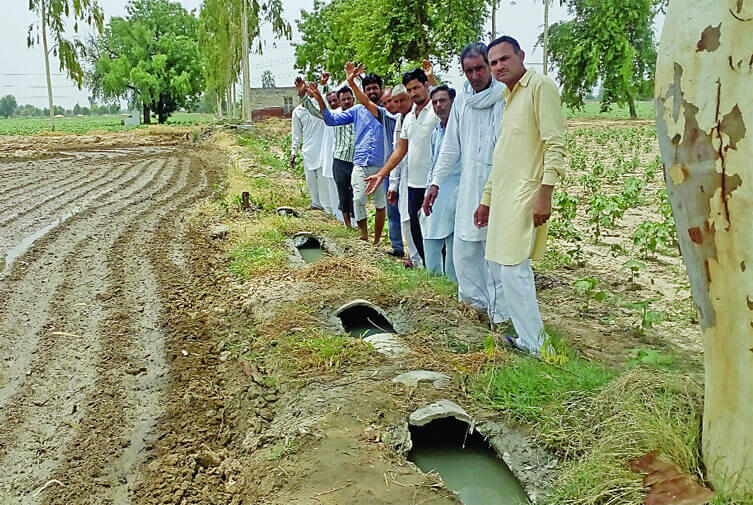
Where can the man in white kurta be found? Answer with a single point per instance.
(307, 138)
(471, 133)
(438, 229)
(517, 200)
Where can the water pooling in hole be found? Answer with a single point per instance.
(310, 249)
(471, 469)
(361, 321)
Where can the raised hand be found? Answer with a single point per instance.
(427, 67)
(313, 90)
(300, 84)
(352, 71)
(324, 78)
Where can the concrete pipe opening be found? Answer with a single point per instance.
(309, 247)
(362, 319)
(465, 461)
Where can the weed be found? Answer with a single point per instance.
(248, 260)
(526, 386)
(635, 267)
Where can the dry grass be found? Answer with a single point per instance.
(640, 411)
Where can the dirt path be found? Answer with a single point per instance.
(84, 370)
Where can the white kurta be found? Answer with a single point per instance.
(441, 223)
(471, 134)
(307, 137)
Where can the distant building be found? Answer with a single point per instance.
(273, 102)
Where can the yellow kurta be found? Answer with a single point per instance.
(529, 152)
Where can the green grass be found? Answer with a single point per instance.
(109, 123)
(526, 387)
(592, 110)
(249, 259)
(399, 279)
(596, 420)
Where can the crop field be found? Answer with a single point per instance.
(114, 123)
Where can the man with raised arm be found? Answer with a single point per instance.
(472, 131)
(344, 144)
(415, 141)
(517, 199)
(307, 137)
(368, 153)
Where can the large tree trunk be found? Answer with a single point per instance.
(704, 110)
(546, 37)
(246, 105)
(147, 114)
(47, 63)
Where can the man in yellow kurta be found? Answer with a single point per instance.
(517, 200)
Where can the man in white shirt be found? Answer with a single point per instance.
(415, 141)
(308, 137)
(472, 131)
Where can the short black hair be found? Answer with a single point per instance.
(344, 89)
(504, 39)
(450, 91)
(371, 79)
(475, 49)
(416, 73)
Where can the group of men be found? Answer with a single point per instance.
(464, 179)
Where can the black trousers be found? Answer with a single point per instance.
(342, 171)
(415, 201)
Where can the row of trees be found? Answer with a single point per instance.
(606, 43)
(159, 56)
(9, 107)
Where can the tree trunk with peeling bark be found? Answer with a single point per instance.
(704, 107)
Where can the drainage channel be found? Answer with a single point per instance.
(467, 464)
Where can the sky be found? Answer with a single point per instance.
(22, 69)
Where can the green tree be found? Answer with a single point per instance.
(267, 79)
(386, 35)
(219, 41)
(8, 106)
(608, 42)
(76, 110)
(152, 55)
(52, 18)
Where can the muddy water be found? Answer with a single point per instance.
(311, 254)
(364, 330)
(474, 472)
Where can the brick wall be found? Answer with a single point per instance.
(269, 99)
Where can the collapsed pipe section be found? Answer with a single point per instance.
(361, 319)
(309, 247)
(465, 461)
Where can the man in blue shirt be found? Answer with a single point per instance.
(368, 156)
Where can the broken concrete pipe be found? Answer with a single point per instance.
(443, 437)
(309, 247)
(362, 319)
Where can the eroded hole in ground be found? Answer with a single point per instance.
(362, 321)
(310, 249)
(467, 464)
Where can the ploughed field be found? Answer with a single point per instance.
(91, 244)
